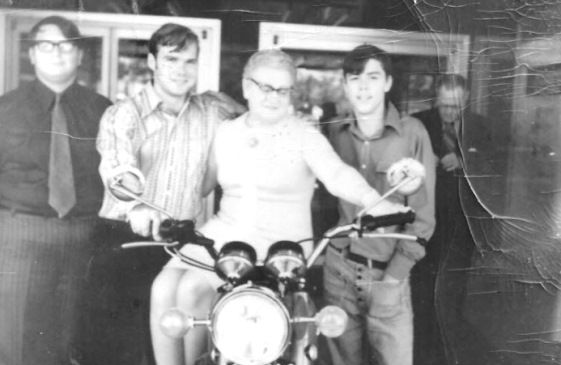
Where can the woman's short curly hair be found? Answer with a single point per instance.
(273, 58)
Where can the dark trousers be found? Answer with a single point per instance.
(461, 342)
(428, 343)
(426, 289)
(115, 315)
(42, 262)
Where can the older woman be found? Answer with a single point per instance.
(266, 162)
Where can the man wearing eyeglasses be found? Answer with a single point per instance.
(443, 120)
(50, 194)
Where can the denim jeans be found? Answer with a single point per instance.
(380, 328)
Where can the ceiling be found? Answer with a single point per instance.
(507, 18)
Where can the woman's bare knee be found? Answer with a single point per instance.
(164, 288)
(195, 292)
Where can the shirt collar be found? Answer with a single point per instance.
(392, 120)
(46, 96)
(151, 100)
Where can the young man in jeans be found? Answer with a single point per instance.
(369, 277)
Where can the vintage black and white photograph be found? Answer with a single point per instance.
(280, 182)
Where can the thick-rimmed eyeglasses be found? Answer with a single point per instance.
(268, 89)
(49, 46)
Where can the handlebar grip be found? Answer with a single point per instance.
(173, 230)
(183, 232)
(370, 223)
(423, 242)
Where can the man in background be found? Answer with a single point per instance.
(446, 122)
(50, 194)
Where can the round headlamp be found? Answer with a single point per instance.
(250, 326)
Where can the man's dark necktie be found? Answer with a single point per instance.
(62, 194)
(449, 138)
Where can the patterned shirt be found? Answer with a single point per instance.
(167, 152)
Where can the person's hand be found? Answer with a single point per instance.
(387, 278)
(228, 107)
(386, 207)
(145, 221)
(450, 162)
(130, 182)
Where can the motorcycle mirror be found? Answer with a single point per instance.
(406, 176)
(175, 324)
(331, 321)
(117, 187)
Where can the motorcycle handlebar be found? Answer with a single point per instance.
(364, 224)
(183, 231)
(175, 230)
(370, 223)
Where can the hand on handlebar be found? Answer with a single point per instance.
(146, 221)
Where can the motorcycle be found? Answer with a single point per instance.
(263, 313)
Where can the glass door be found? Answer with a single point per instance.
(130, 62)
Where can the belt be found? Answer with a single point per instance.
(359, 259)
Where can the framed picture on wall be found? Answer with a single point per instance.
(319, 87)
(420, 92)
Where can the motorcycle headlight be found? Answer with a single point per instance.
(235, 260)
(250, 326)
(286, 259)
